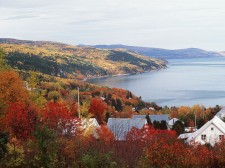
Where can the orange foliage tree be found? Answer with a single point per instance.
(98, 108)
(12, 88)
(104, 133)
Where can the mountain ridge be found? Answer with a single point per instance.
(70, 61)
(165, 53)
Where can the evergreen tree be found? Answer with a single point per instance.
(4, 139)
(200, 123)
(118, 105)
(114, 103)
(107, 116)
(131, 96)
(156, 124)
(178, 127)
(128, 95)
(109, 97)
(148, 119)
(163, 125)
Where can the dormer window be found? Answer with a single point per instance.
(203, 137)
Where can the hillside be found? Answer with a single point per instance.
(164, 53)
(69, 61)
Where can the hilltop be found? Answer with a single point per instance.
(165, 53)
(68, 61)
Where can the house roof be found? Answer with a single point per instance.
(83, 124)
(89, 122)
(153, 117)
(221, 113)
(215, 121)
(172, 121)
(184, 136)
(121, 126)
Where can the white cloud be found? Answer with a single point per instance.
(153, 23)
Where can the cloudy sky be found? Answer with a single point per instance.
(170, 24)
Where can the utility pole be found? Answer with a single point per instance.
(195, 121)
(203, 110)
(78, 100)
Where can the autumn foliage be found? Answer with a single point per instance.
(12, 88)
(98, 108)
(105, 134)
(163, 149)
(56, 115)
(38, 134)
(21, 119)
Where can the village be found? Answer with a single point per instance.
(210, 133)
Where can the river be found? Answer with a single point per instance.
(184, 82)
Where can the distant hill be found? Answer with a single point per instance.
(164, 53)
(69, 61)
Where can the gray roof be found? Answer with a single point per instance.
(154, 117)
(221, 113)
(172, 121)
(184, 136)
(121, 126)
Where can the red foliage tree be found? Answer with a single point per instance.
(98, 108)
(161, 148)
(56, 116)
(218, 154)
(21, 119)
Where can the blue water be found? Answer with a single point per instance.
(184, 82)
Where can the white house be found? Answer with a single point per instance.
(210, 133)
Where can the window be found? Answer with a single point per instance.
(212, 128)
(203, 137)
(221, 137)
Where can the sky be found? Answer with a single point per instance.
(170, 24)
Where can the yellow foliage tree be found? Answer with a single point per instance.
(84, 110)
(198, 110)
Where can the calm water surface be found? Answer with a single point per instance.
(184, 82)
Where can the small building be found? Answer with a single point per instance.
(210, 133)
(171, 122)
(120, 127)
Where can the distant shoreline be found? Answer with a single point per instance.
(126, 74)
(105, 76)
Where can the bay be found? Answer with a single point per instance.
(185, 82)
